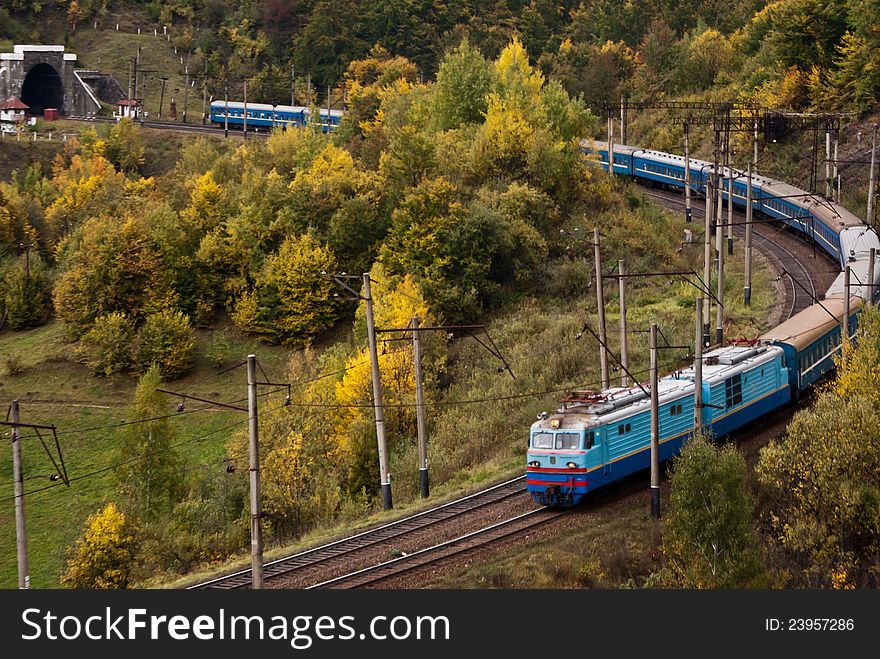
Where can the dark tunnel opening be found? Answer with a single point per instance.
(43, 89)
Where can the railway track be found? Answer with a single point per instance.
(440, 552)
(801, 285)
(167, 125)
(352, 544)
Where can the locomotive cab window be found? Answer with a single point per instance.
(542, 440)
(623, 428)
(589, 439)
(568, 440)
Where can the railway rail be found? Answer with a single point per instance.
(440, 552)
(345, 546)
(180, 127)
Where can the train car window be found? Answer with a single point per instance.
(568, 440)
(733, 390)
(623, 428)
(589, 439)
(542, 440)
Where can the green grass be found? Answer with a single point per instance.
(110, 52)
(53, 389)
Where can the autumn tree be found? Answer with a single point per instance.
(168, 341)
(708, 533)
(103, 556)
(290, 300)
(821, 483)
(111, 265)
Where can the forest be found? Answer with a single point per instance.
(456, 181)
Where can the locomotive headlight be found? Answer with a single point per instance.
(534, 463)
(571, 465)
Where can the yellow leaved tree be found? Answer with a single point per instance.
(103, 556)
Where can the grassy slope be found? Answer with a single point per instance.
(53, 389)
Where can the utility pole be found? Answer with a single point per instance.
(707, 255)
(378, 409)
(226, 108)
(292, 89)
(827, 162)
(687, 176)
(755, 145)
(869, 220)
(600, 302)
(205, 92)
(869, 293)
(728, 163)
(655, 428)
(24, 579)
(719, 249)
(623, 119)
(624, 356)
(130, 80)
(143, 100)
(328, 108)
(244, 117)
(186, 87)
(137, 73)
(698, 369)
(844, 320)
(162, 96)
(835, 175)
(424, 485)
(610, 142)
(747, 283)
(254, 471)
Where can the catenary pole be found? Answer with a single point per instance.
(655, 428)
(698, 369)
(707, 256)
(719, 253)
(254, 477)
(244, 114)
(869, 219)
(747, 282)
(378, 408)
(600, 309)
(844, 319)
(424, 484)
(24, 579)
(871, 287)
(226, 109)
(624, 351)
(610, 142)
(687, 176)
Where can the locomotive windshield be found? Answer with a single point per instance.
(542, 440)
(568, 440)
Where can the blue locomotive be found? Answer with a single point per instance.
(598, 437)
(263, 115)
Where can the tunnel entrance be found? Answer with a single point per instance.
(43, 89)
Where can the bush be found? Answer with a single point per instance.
(218, 352)
(103, 556)
(107, 347)
(167, 339)
(13, 364)
(27, 299)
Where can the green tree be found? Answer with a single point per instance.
(103, 556)
(291, 301)
(708, 533)
(125, 148)
(106, 348)
(27, 296)
(464, 81)
(167, 339)
(148, 476)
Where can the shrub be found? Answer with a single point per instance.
(27, 299)
(167, 339)
(107, 347)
